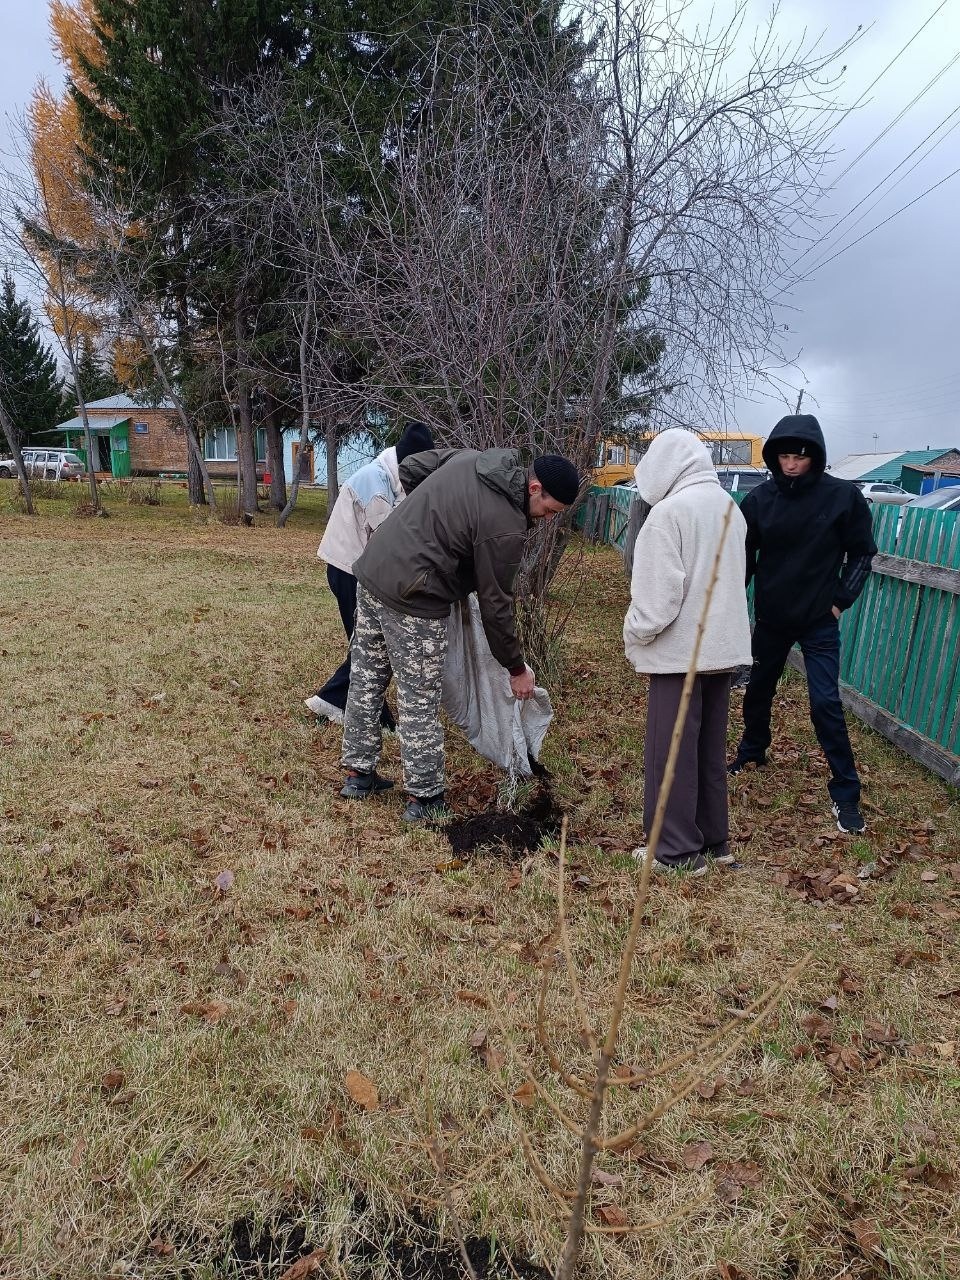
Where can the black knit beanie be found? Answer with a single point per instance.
(417, 438)
(558, 477)
(793, 444)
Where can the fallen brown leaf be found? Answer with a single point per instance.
(473, 997)
(363, 1092)
(611, 1215)
(696, 1154)
(113, 1080)
(209, 1010)
(526, 1095)
(866, 1235)
(306, 1266)
(730, 1271)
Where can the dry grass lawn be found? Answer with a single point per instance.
(202, 941)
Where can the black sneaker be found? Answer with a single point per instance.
(738, 764)
(849, 819)
(359, 786)
(422, 809)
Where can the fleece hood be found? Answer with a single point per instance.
(803, 430)
(674, 460)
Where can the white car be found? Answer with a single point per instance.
(946, 498)
(883, 491)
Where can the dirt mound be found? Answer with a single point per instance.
(508, 833)
(407, 1251)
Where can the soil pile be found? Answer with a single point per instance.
(508, 833)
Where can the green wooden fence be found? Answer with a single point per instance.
(900, 667)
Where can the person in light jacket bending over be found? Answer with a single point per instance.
(673, 562)
(364, 502)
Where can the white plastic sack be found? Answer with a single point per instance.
(478, 699)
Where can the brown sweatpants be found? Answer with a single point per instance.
(697, 813)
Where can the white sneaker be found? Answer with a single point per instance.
(326, 710)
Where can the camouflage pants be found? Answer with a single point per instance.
(413, 650)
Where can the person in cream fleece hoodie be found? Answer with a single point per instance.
(672, 566)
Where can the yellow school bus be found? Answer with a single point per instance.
(617, 459)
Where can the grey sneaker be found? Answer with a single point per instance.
(323, 709)
(849, 819)
(359, 786)
(694, 866)
(719, 855)
(424, 809)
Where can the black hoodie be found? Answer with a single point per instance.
(809, 539)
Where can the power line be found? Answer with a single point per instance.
(883, 181)
(897, 118)
(853, 243)
(896, 57)
(894, 122)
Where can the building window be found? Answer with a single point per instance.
(221, 445)
(616, 455)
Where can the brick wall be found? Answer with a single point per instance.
(163, 448)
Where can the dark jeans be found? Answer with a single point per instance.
(696, 816)
(820, 646)
(344, 588)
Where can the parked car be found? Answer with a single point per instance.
(52, 464)
(883, 491)
(946, 498)
(741, 479)
(8, 468)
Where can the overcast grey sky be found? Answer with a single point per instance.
(877, 327)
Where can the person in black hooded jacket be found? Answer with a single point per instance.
(809, 548)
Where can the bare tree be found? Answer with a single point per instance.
(593, 230)
(13, 444)
(282, 211)
(38, 223)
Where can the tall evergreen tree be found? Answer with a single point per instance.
(28, 370)
(97, 380)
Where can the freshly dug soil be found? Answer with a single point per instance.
(408, 1252)
(508, 833)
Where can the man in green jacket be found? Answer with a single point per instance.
(461, 529)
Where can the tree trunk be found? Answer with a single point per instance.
(273, 425)
(194, 450)
(306, 329)
(331, 439)
(194, 480)
(246, 453)
(13, 444)
(87, 434)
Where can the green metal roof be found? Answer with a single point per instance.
(890, 471)
(98, 426)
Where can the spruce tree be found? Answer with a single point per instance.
(28, 370)
(97, 380)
